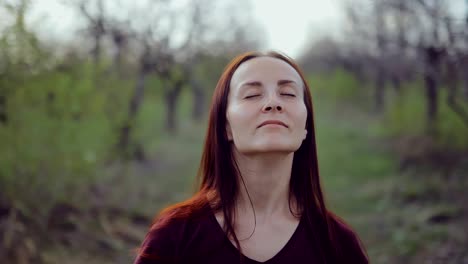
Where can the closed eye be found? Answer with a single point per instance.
(289, 94)
(251, 96)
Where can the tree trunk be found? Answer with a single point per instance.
(3, 110)
(127, 128)
(98, 33)
(396, 81)
(380, 82)
(172, 97)
(118, 61)
(432, 58)
(465, 86)
(452, 86)
(120, 42)
(198, 101)
(431, 97)
(380, 78)
(453, 74)
(96, 49)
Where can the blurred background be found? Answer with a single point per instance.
(103, 108)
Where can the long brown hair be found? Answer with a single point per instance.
(219, 177)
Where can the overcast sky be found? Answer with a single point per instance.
(288, 24)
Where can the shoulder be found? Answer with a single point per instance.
(161, 242)
(166, 241)
(351, 246)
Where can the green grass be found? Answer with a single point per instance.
(359, 176)
(406, 115)
(55, 157)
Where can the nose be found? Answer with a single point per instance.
(272, 104)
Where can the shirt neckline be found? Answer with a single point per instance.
(235, 250)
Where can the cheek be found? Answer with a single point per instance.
(234, 121)
(301, 116)
(238, 117)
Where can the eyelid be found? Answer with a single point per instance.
(289, 85)
(288, 90)
(251, 96)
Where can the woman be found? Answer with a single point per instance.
(259, 199)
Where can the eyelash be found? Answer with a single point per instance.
(255, 95)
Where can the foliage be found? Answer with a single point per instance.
(338, 84)
(406, 115)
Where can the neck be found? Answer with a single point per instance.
(266, 177)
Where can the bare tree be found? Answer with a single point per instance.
(464, 56)
(397, 41)
(169, 41)
(454, 58)
(96, 24)
(119, 33)
(146, 66)
(381, 55)
(20, 58)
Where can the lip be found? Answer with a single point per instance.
(273, 122)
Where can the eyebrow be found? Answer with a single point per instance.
(257, 83)
(283, 82)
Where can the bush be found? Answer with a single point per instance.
(406, 114)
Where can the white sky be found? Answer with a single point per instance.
(289, 24)
(286, 23)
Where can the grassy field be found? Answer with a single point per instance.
(395, 212)
(415, 215)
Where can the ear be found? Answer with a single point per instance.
(228, 131)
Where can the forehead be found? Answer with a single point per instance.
(264, 69)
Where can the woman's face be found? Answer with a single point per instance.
(266, 110)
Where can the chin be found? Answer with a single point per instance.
(274, 147)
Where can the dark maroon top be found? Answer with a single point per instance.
(202, 240)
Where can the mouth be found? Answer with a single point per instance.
(273, 122)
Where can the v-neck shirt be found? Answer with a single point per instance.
(283, 253)
(202, 240)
